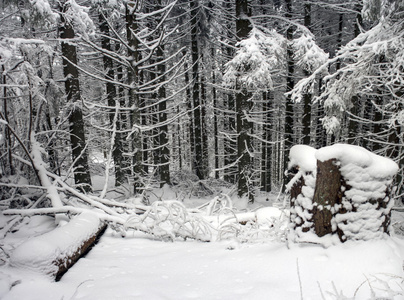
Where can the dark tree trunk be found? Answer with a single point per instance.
(123, 117)
(133, 79)
(204, 131)
(190, 116)
(198, 164)
(230, 153)
(9, 162)
(266, 159)
(243, 106)
(163, 129)
(117, 152)
(353, 126)
(215, 120)
(290, 83)
(307, 97)
(72, 88)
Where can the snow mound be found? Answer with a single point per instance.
(374, 165)
(304, 157)
(40, 254)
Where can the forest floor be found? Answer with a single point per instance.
(142, 267)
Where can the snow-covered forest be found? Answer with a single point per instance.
(264, 138)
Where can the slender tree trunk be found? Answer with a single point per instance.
(163, 129)
(9, 164)
(290, 83)
(204, 131)
(353, 126)
(134, 102)
(230, 153)
(123, 117)
(215, 120)
(243, 106)
(266, 159)
(198, 164)
(190, 116)
(117, 152)
(307, 97)
(72, 88)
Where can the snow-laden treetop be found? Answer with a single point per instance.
(255, 61)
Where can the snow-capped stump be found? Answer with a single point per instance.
(351, 199)
(53, 253)
(353, 186)
(302, 170)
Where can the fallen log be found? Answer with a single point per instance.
(53, 253)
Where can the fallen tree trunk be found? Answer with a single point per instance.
(53, 253)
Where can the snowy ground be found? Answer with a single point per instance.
(137, 267)
(140, 267)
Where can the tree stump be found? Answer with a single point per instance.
(352, 196)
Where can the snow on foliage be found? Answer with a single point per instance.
(40, 254)
(42, 11)
(371, 64)
(255, 61)
(365, 207)
(78, 15)
(308, 55)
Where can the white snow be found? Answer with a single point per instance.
(374, 165)
(255, 61)
(303, 156)
(308, 54)
(39, 253)
(366, 203)
(137, 267)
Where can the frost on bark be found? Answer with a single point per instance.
(72, 88)
(133, 79)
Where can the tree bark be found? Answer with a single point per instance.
(72, 88)
(290, 83)
(307, 97)
(163, 129)
(133, 78)
(117, 152)
(243, 107)
(327, 193)
(266, 153)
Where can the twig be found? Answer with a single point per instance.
(300, 281)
